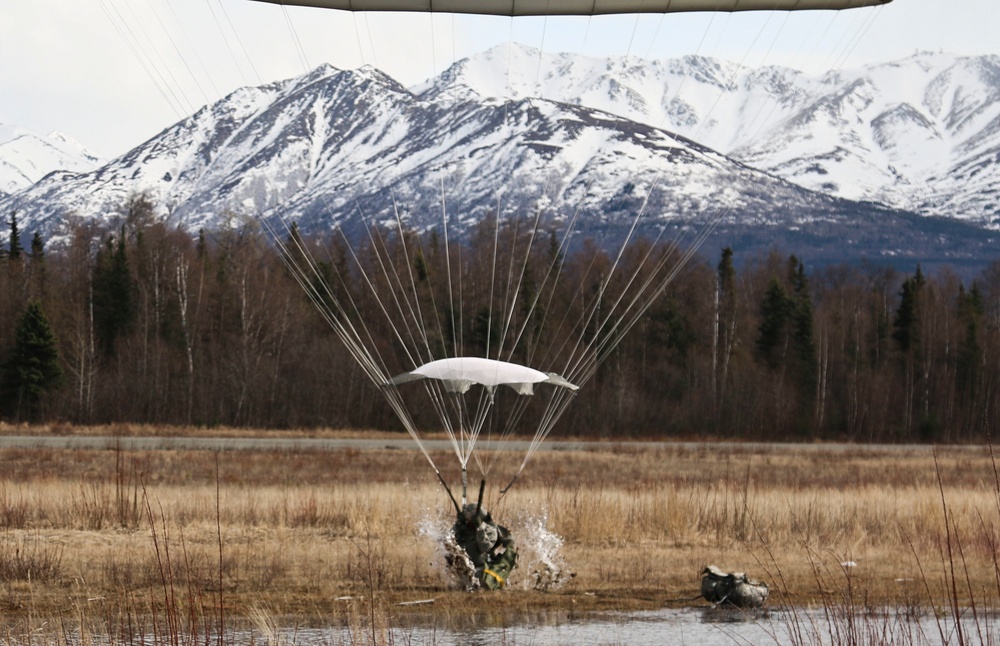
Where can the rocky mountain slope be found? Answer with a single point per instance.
(580, 142)
(920, 134)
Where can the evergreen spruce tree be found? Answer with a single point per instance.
(772, 333)
(201, 247)
(725, 324)
(32, 367)
(39, 278)
(727, 279)
(37, 247)
(14, 249)
(970, 351)
(802, 326)
(113, 294)
(906, 324)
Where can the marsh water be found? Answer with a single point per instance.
(702, 626)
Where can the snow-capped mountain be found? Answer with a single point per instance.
(326, 146)
(337, 147)
(26, 157)
(921, 134)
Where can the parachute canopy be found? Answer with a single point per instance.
(459, 373)
(576, 7)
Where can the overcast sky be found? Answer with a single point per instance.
(113, 73)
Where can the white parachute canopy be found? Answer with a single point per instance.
(459, 373)
(577, 7)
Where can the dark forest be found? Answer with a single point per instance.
(143, 324)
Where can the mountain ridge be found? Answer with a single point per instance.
(349, 148)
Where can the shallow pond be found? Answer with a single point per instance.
(704, 627)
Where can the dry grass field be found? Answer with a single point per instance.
(125, 542)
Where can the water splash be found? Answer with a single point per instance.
(450, 559)
(540, 559)
(540, 562)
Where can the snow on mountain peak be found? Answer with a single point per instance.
(541, 128)
(25, 157)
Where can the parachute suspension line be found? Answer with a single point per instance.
(515, 279)
(656, 33)
(595, 311)
(299, 50)
(560, 399)
(610, 337)
(180, 55)
(447, 258)
(836, 51)
(641, 303)
(510, 291)
(510, 54)
(144, 60)
(357, 37)
(435, 310)
(652, 289)
(514, 289)
(156, 58)
(371, 40)
(869, 18)
(541, 50)
(375, 292)
(579, 327)
(434, 66)
(454, 46)
(345, 330)
(553, 273)
(229, 46)
(631, 41)
(487, 396)
(350, 336)
(493, 282)
(740, 64)
(189, 45)
(415, 309)
(869, 21)
(342, 325)
(585, 364)
(390, 273)
(558, 403)
(373, 365)
(529, 313)
(753, 126)
(460, 260)
(756, 124)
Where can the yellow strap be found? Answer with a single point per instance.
(495, 576)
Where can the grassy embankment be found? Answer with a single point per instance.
(117, 540)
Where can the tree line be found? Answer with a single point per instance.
(141, 323)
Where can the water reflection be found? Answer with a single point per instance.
(707, 627)
(701, 626)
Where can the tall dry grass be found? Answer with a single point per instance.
(181, 543)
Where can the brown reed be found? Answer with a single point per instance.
(194, 543)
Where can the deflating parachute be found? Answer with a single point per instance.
(576, 7)
(459, 373)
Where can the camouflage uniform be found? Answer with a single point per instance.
(488, 545)
(500, 561)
